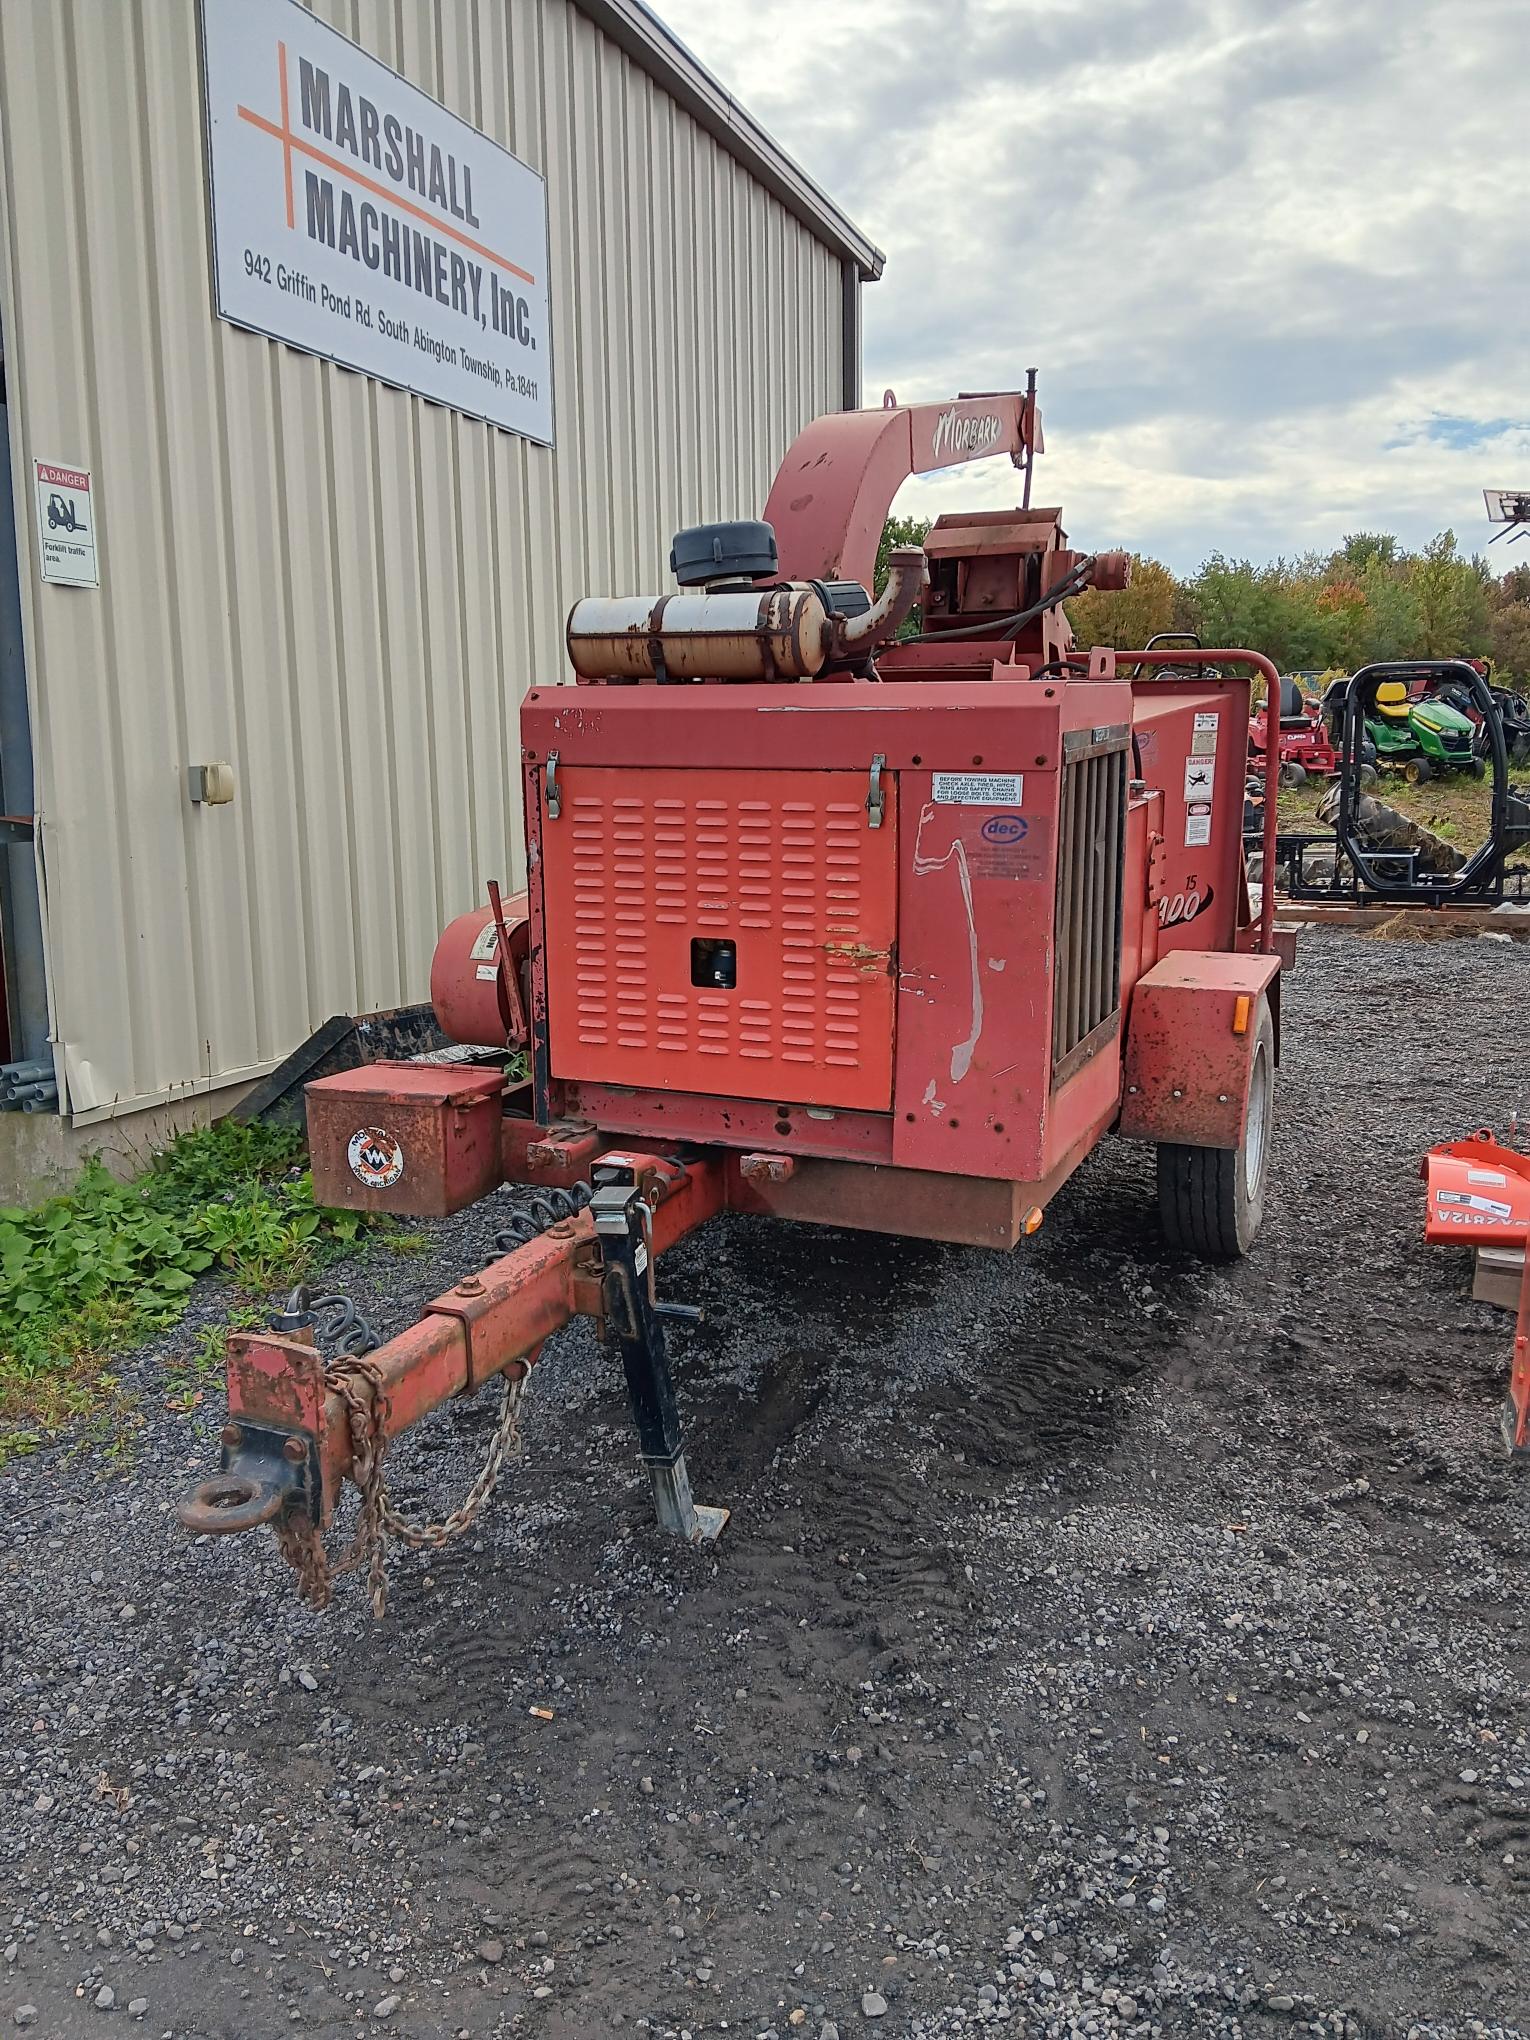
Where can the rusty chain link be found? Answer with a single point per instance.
(357, 1380)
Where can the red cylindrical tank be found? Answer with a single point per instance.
(465, 985)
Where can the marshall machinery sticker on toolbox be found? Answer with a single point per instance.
(356, 218)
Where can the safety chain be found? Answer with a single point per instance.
(357, 1380)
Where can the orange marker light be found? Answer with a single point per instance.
(1241, 1010)
(1032, 1221)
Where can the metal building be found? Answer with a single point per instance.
(335, 586)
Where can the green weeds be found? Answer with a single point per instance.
(97, 1271)
(406, 1243)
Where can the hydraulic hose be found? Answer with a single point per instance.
(538, 1211)
(1005, 627)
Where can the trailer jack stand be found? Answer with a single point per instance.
(636, 1323)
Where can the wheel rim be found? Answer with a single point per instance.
(1258, 1116)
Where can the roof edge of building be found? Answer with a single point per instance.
(638, 31)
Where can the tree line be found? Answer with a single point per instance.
(1371, 599)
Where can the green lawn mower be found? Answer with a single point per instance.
(1409, 727)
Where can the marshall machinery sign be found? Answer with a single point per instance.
(356, 218)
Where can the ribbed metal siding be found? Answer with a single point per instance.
(339, 587)
(1086, 987)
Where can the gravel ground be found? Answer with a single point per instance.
(1100, 1645)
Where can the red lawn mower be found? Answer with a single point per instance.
(1305, 749)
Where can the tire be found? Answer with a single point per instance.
(1369, 777)
(1211, 1200)
(1478, 769)
(1418, 771)
(1291, 774)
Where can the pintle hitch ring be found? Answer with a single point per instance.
(264, 1472)
(230, 1502)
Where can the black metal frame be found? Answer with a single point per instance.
(1481, 879)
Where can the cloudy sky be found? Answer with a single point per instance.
(1271, 257)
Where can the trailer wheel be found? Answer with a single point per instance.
(1210, 1200)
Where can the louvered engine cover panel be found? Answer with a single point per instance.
(727, 932)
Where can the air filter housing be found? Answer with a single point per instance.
(741, 551)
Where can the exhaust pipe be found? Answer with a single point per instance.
(908, 575)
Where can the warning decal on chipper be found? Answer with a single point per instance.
(1203, 742)
(978, 789)
(1200, 787)
(376, 1158)
(1464, 1201)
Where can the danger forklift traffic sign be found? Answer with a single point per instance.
(66, 525)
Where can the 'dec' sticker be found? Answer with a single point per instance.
(1003, 830)
(376, 1158)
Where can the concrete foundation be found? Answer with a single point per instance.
(41, 1153)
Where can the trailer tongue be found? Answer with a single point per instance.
(821, 922)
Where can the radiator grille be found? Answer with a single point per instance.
(1086, 989)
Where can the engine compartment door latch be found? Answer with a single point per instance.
(874, 791)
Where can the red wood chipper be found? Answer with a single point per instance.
(823, 921)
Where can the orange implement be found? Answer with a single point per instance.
(1478, 1194)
